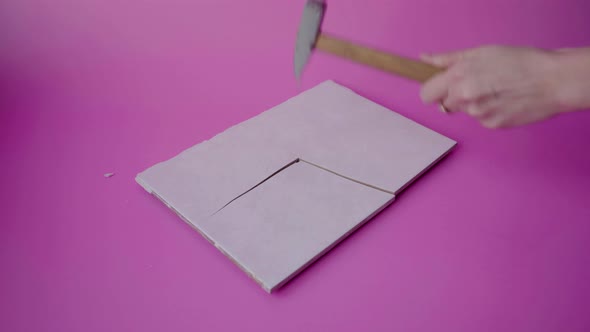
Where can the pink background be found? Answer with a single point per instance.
(495, 238)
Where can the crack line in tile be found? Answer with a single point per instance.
(347, 178)
(309, 163)
(258, 184)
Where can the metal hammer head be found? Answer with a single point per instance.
(309, 30)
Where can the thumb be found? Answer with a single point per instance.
(444, 59)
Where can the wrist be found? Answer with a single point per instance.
(569, 77)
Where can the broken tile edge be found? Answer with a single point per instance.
(147, 188)
(427, 168)
(332, 246)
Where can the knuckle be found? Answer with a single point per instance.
(466, 91)
(475, 110)
(489, 124)
(426, 94)
(491, 48)
(493, 123)
(423, 94)
(460, 70)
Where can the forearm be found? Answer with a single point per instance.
(571, 78)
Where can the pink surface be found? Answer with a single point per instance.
(494, 238)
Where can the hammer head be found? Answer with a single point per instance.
(309, 30)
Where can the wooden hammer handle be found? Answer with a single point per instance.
(408, 68)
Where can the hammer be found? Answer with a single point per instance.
(310, 37)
